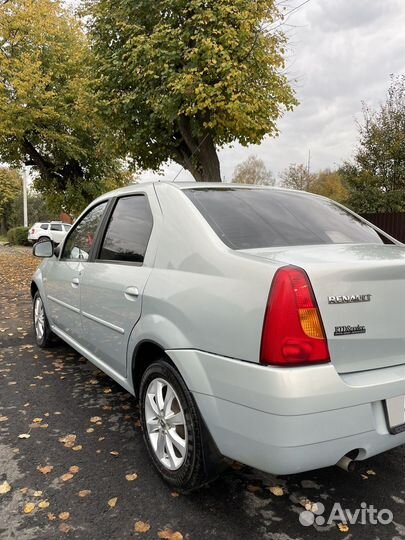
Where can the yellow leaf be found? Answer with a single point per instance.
(4, 487)
(24, 436)
(112, 502)
(84, 493)
(46, 469)
(64, 516)
(77, 448)
(65, 477)
(65, 528)
(371, 472)
(37, 420)
(131, 477)
(107, 390)
(38, 493)
(3, 418)
(343, 527)
(51, 516)
(141, 527)
(276, 490)
(43, 504)
(114, 453)
(95, 419)
(28, 508)
(168, 534)
(89, 430)
(74, 469)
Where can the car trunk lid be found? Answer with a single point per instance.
(360, 290)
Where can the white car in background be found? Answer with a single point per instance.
(54, 230)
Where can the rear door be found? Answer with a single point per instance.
(112, 286)
(62, 280)
(57, 233)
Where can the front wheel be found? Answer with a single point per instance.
(171, 427)
(43, 333)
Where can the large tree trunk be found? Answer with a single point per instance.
(197, 154)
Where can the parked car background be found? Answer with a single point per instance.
(54, 230)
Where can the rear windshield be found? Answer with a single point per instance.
(261, 218)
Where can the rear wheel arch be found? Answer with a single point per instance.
(145, 354)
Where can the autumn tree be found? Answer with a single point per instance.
(253, 171)
(10, 188)
(297, 177)
(182, 78)
(376, 176)
(49, 111)
(329, 184)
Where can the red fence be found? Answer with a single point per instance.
(393, 224)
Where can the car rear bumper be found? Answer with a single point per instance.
(289, 420)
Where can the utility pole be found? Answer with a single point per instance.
(25, 204)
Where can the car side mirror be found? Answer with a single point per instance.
(43, 249)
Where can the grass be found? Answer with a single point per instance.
(3, 239)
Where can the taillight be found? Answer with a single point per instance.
(32, 231)
(293, 333)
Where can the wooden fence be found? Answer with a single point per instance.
(393, 224)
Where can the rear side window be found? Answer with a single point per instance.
(44, 226)
(128, 231)
(261, 218)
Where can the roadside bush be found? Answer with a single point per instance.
(18, 236)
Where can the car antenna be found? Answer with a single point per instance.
(192, 155)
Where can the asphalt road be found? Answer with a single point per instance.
(49, 395)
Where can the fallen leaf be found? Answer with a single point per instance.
(168, 534)
(252, 488)
(77, 448)
(68, 440)
(131, 477)
(28, 508)
(24, 490)
(276, 490)
(24, 436)
(84, 493)
(90, 430)
(95, 419)
(4, 487)
(43, 504)
(141, 527)
(3, 418)
(38, 493)
(175, 494)
(114, 453)
(65, 477)
(112, 502)
(64, 516)
(51, 516)
(74, 469)
(371, 472)
(46, 469)
(107, 390)
(343, 527)
(65, 528)
(37, 420)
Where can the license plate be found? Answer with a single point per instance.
(395, 414)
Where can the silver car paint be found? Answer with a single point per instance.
(204, 304)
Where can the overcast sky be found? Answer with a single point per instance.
(341, 53)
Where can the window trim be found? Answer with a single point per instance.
(96, 234)
(96, 249)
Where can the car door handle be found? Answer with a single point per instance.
(131, 293)
(75, 282)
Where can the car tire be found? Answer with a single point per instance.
(182, 468)
(44, 336)
(43, 238)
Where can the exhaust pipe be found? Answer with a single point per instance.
(346, 463)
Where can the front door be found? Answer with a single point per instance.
(62, 280)
(112, 286)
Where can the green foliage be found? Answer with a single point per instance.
(18, 236)
(184, 77)
(329, 184)
(253, 171)
(49, 109)
(10, 188)
(376, 178)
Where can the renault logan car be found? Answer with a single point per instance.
(257, 324)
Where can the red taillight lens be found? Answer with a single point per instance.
(293, 333)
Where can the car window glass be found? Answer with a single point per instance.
(44, 226)
(80, 241)
(56, 227)
(260, 218)
(128, 231)
(67, 227)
